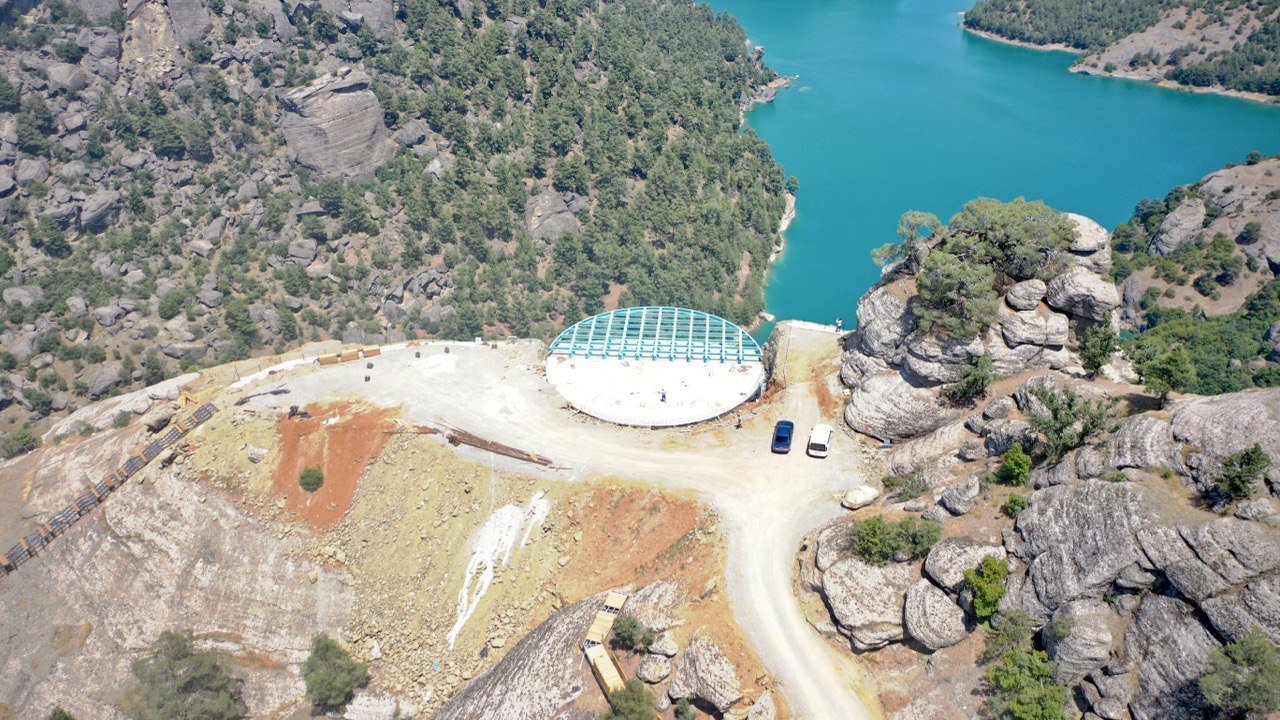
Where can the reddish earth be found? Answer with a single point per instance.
(342, 439)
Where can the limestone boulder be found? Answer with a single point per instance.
(705, 673)
(887, 406)
(1171, 650)
(1213, 427)
(960, 499)
(932, 618)
(1076, 540)
(1079, 638)
(664, 645)
(548, 216)
(1029, 327)
(948, 559)
(334, 125)
(859, 497)
(1180, 226)
(1025, 295)
(653, 668)
(536, 678)
(867, 601)
(763, 708)
(930, 360)
(1255, 605)
(67, 77)
(99, 209)
(657, 605)
(24, 295)
(883, 318)
(1209, 559)
(104, 377)
(1084, 294)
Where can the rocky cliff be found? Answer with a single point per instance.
(1127, 559)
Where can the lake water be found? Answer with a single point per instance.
(897, 108)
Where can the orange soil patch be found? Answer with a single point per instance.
(647, 535)
(342, 439)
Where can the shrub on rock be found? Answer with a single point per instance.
(1245, 677)
(877, 541)
(629, 634)
(986, 582)
(631, 703)
(179, 681)
(330, 673)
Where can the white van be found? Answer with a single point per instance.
(819, 441)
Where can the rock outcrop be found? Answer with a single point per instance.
(867, 601)
(334, 125)
(1076, 540)
(932, 618)
(537, 678)
(705, 673)
(1170, 648)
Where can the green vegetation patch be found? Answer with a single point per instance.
(330, 673)
(877, 541)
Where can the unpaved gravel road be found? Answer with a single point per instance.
(766, 502)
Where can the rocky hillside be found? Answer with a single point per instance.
(1197, 271)
(191, 183)
(1226, 46)
(1100, 543)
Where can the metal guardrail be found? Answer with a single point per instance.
(97, 493)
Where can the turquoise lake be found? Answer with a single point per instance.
(897, 108)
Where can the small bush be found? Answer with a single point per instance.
(1014, 505)
(684, 710)
(1015, 467)
(632, 703)
(1242, 471)
(331, 675)
(178, 681)
(121, 420)
(1023, 688)
(904, 487)
(1096, 345)
(1006, 631)
(987, 585)
(1244, 678)
(60, 714)
(311, 479)
(629, 634)
(974, 384)
(877, 541)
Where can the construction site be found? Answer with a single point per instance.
(464, 503)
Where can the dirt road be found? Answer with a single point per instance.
(767, 502)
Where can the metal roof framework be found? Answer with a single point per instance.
(657, 333)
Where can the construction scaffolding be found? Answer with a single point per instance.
(97, 493)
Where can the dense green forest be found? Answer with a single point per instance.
(629, 111)
(1083, 24)
(1251, 65)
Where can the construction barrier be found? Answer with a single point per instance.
(62, 520)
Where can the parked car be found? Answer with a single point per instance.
(782, 433)
(820, 441)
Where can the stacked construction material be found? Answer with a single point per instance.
(97, 493)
